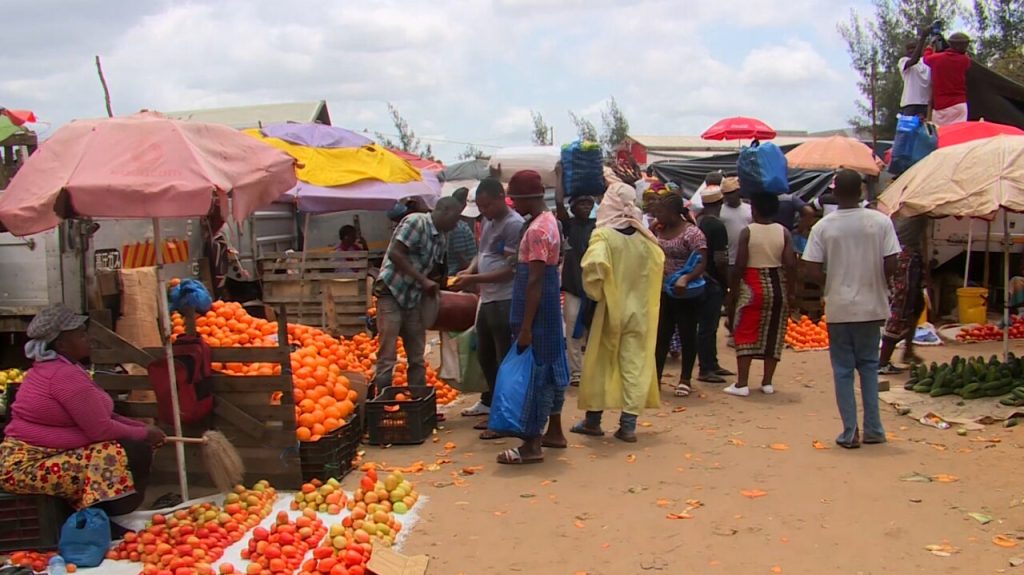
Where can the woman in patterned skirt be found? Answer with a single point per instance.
(64, 438)
(763, 276)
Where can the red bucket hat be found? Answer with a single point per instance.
(525, 184)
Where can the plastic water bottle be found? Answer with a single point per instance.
(57, 566)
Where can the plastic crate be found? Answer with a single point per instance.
(319, 459)
(31, 522)
(392, 422)
(351, 437)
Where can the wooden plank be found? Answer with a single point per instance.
(119, 382)
(110, 340)
(221, 383)
(313, 255)
(242, 419)
(351, 265)
(276, 354)
(247, 398)
(312, 277)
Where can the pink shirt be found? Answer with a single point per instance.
(59, 406)
(541, 241)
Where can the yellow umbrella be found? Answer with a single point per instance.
(833, 153)
(974, 180)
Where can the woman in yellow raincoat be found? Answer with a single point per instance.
(623, 273)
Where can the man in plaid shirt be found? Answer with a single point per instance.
(412, 267)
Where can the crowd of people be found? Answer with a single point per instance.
(600, 289)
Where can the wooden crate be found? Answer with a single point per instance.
(262, 430)
(808, 294)
(327, 290)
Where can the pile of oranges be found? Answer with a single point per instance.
(323, 397)
(807, 335)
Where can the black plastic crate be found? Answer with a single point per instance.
(351, 437)
(31, 522)
(319, 459)
(392, 422)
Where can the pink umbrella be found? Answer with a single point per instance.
(143, 166)
(739, 128)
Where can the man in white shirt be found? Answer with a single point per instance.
(859, 247)
(917, 79)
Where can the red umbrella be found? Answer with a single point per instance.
(962, 132)
(739, 128)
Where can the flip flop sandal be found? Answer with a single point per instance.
(550, 445)
(481, 426)
(683, 390)
(512, 457)
(711, 378)
(489, 435)
(582, 429)
(724, 372)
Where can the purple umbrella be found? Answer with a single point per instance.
(315, 135)
(364, 195)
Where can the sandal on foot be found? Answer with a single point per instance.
(626, 436)
(582, 429)
(476, 410)
(724, 372)
(710, 378)
(481, 425)
(683, 389)
(489, 435)
(512, 457)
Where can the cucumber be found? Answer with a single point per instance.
(922, 388)
(996, 392)
(940, 391)
(999, 384)
(909, 386)
(1019, 392)
(1012, 401)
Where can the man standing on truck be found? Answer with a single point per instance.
(412, 268)
(917, 79)
(949, 79)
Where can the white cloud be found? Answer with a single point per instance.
(470, 70)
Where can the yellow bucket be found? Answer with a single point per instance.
(972, 304)
(927, 306)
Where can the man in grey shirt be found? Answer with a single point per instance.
(493, 271)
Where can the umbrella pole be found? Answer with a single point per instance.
(967, 260)
(1006, 284)
(302, 268)
(165, 325)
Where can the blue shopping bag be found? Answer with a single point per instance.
(512, 392)
(85, 538)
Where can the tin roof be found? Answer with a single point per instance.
(242, 117)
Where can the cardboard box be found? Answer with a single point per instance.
(386, 561)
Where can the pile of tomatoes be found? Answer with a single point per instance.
(807, 335)
(189, 541)
(36, 561)
(323, 397)
(987, 332)
(279, 550)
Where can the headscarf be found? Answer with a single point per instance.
(610, 177)
(618, 210)
(46, 327)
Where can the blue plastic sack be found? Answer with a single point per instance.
(85, 538)
(694, 288)
(762, 168)
(582, 170)
(191, 294)
(914, 140)
(512, 392)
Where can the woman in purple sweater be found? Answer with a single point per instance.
(63, 438)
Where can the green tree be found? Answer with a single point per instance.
(541, 130)
(998, 27)
(584, 128)
(407, 140)
(876, 44)
(615, 126)
(472, 153)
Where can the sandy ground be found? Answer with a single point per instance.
(600, 506)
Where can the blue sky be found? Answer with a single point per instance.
(459, 70)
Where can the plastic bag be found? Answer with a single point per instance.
(85, 538)
(471, 377)
(191, 294)
(512, 392)
(914, 140)
(693, 289)
(762, 168)
(582, 170)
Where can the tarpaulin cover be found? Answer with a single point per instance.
(342, 166)
(690, 174)
(363, 195)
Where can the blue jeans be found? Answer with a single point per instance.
(854, 347)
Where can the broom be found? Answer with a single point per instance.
(220, 458)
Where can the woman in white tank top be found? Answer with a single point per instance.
(760, 288)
